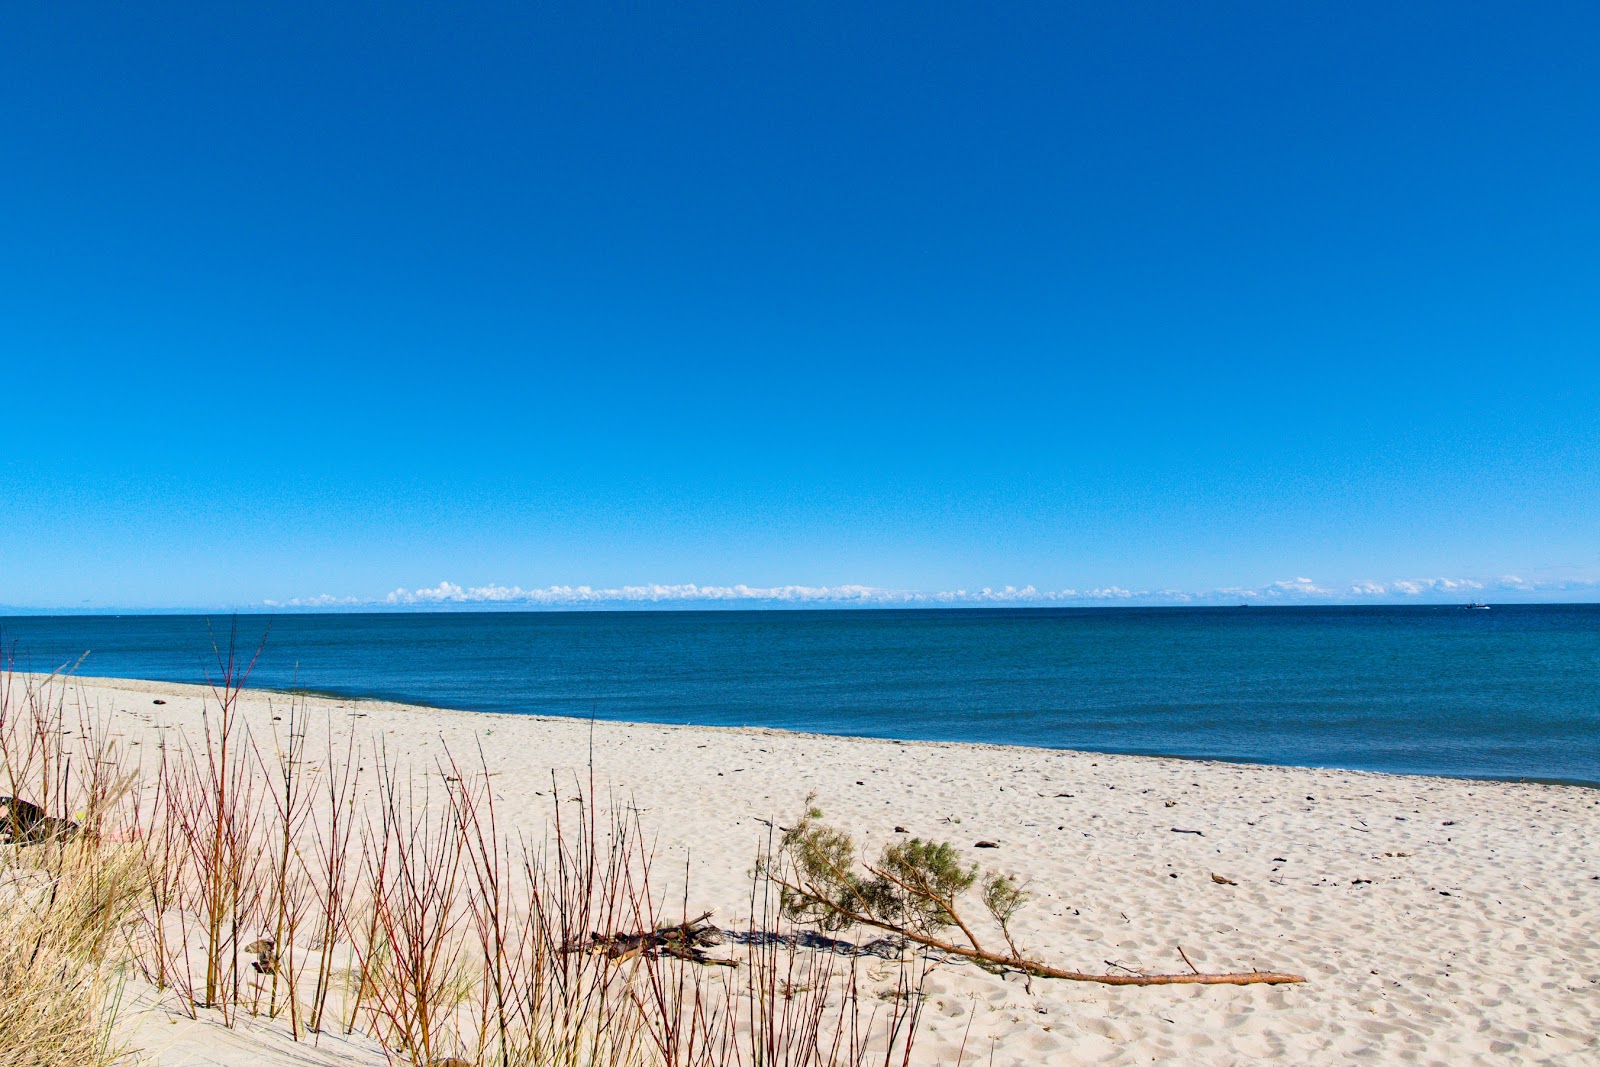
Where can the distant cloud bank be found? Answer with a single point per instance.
(1286, 591)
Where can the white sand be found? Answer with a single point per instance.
(1438, 921)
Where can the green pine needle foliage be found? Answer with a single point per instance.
(914, 885)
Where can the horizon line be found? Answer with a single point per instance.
(449, 597)
(708, 607)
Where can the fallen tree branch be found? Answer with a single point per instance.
(1044, 970)
(685, 941)
(912, 891)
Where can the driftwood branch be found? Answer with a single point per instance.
(687, 940)
(1043, 970)
(1034, 967)
(912, 891)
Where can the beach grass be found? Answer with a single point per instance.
(297, 878)
(66, 899)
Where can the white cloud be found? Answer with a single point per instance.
(690, 592)
(1413, 587)
(322, 600)
(566, 595)
(1303, 587)
(1284, 591)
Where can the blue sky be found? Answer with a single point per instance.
(847, 303)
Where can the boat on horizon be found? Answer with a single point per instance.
(1476, 606)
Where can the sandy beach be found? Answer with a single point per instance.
(1437, 921)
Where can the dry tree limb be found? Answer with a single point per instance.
(912, 891)
(1044, 970)
(687, 940)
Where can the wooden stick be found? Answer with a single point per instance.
(1042, 970)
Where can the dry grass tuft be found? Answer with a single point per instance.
(60, 934)
(65, 902)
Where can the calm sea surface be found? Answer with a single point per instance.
(1511, 692)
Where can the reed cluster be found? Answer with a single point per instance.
(297, 875)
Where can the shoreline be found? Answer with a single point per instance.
(1241, 761)
(1435, 919)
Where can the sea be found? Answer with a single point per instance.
(1512, 692)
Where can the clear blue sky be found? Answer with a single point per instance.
(302, 299)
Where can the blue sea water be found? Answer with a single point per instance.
(1513, 692)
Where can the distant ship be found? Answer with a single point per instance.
(1475, 606)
